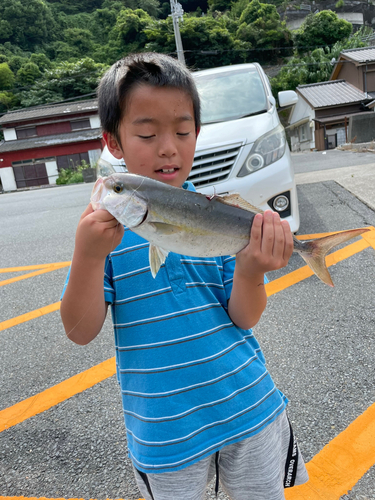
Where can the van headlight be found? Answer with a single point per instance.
(266, 150)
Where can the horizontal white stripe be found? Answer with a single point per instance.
(194, 386)
(134, 271)
(200, 407)
(187, 364)
(194, 261)
(204, 427)
(169, 315)
(180, 339)
(217, 445)
(205, 283)
(123, 250)
(143, 295)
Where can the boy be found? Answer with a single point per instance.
(197, 397)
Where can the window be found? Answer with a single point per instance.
(25, 133)
(303, 132)
(80, 124)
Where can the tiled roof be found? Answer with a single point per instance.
(362, 55)
(51, 140)
(331, 93)
(50, 110)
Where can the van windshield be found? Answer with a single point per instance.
(231, 95)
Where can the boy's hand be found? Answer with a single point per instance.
(98, 233)
(270, 246)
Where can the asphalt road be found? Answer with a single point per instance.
(325, 160)
(318, 342)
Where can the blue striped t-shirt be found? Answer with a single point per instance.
(191, 381)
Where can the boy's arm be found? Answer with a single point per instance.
(83, 308)
(270, 248)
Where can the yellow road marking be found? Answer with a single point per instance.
(51, 267)
(341, 463)
(30, 315)
(54, 395)
(32, 268)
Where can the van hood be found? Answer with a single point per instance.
(244, 130)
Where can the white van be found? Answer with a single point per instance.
(242, 146)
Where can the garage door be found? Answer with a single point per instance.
(31, 175)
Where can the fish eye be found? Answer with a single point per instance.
(118, 188)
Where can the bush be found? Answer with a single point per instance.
(69, 176)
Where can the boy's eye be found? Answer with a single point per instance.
(184, 134)
(146, 136)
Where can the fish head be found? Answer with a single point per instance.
(118, 195)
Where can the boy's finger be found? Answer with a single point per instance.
(268, 234)
(279, 243)
(289, 244)
(256, 232)
(88, 210)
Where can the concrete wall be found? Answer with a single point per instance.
(7, 179)
(362, 127)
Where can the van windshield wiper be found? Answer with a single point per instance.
(261, 111)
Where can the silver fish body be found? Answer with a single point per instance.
(186, 222)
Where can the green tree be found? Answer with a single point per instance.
(207, 42)
(316, 66)
(26, 24)
(7, 77)
(321, 29)
(7, 101)
(128, 34)
(65, 81)
(28, 73)
(79, 39)
(261, 27)
(219, 5)
(41, 60)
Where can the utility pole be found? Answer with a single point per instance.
(177, 13)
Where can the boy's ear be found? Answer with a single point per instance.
(113, 145)
(198, 130)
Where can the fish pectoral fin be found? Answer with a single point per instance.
(157, 257)
(164, 228)
(236, 200)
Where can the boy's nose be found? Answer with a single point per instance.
(167, 147)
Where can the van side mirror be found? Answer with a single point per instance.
(287, 98)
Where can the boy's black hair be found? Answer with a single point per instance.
(151, 68)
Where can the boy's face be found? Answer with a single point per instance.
(157, 134)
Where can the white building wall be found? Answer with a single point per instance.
(7, 179)
(300, 111)
(94, 121)
(52, 172)
(9, 134)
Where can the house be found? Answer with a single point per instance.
(39, 141)
(357, 66)
(323, 116)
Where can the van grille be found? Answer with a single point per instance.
(213, 166)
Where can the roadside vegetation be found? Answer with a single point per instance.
(52, 51)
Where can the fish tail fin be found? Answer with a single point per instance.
(314, 252)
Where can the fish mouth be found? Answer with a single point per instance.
(97, 194)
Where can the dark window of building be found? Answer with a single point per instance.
(31, 175)
(80, 124)
(72, 161)
(24, 133)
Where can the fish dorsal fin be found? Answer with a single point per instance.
(156, 257)
(236, 200)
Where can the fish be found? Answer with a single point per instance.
(190, 223)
